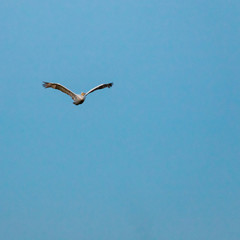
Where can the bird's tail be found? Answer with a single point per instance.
(110, 85)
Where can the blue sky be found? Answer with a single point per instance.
(154, 157)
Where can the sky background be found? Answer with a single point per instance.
(154, 157)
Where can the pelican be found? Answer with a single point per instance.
(77, 98)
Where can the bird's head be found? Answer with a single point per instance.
(83, 94)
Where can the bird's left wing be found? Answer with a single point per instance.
(61, 88)
(100, 87)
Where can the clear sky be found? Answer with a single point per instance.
(154, 157)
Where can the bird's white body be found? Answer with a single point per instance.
(77, 98)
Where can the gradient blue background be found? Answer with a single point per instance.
(154, 157)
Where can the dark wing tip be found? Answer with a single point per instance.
(110, 84)
(45, 84)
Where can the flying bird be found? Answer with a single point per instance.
(77, 98)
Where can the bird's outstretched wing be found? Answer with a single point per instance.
(61, 88)
(99, 87)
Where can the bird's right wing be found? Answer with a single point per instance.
(99, 87)
(61, 88)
